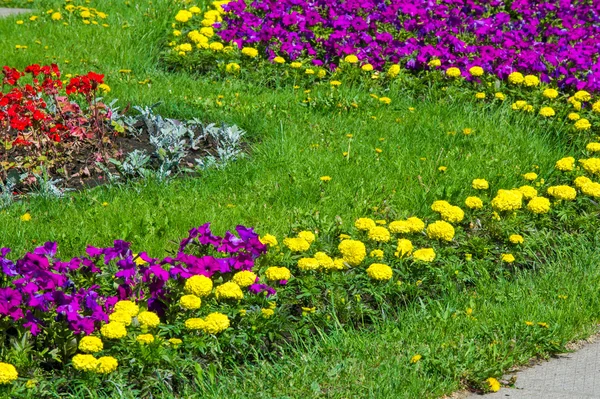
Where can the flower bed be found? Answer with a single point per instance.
(552, 39)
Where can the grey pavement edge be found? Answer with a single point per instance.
(567, 376)
(5, 12)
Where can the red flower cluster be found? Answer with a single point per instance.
(85, 84)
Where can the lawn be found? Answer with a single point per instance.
(384, 162)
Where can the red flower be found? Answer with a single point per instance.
(33, 69)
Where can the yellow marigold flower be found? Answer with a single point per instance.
(216, 46)
(474, 203)
(353, 252)
(583, 124)
(106, 365)
(507, 200)
(297, 244)
(566, 193)
(581, 181)
(550, 93)
(379, 271)
(296, 65)
(351, 59)
(269, 240)
(480, 184)
(531, 176)
(26, 217)
(452, 214)
(531, 81)
(194, 324)
(324, 260)
(344, 237)
(415, 359)
(591, 165)
(198, 285)
(596, 107)
(547, 112)
(539, 205)
(480, 95)
(440, 205)
(453, 72)
(145, 338)
(229, 290)
(175, 341)
(308, 264)
(364, 224)
(376, 253)
(500, 96)
(393, 71)
(84, 362)
(339, 264)
(307, 235)
(476, 71)
(148, 319)
(528, 192)
(493, 384)
(183, 16)
(275, 273)
(565, 164)
(404, 248)
(416, 224)
(400, 227)
(245, 278)
(367, 67)
(593, 147)
(321, 73)
(385, 100)
(90, 344)
(576, 104)
(592, 189)
(440, 230)
(232, 68)
(424, 255)
(190, 302)
(379, 234)
(279, 60)
(582, 95)
(215, 323)
(250, 52)
(516, 78)
(113, 330)
(266, 313)
(573, 116)
(517, 105)
(185, 47)
(508, 258)
(516, 239)
(120, 317)
(434, 63)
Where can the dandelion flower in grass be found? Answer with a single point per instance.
(275, 273)
(120, 317)
(26, 217)
(385, 100)
(190, 302)
(547, 112)
(379, 271)
(148, 319)
(8, 373)
(476, 71)
(198, 285)
(307, 235)
(379, 234)
(500, 96)
(531, 176)
(566, 193)
(528, 192)
(480, 184)
(113, 330)
(507, 200)
(539, 205)
(415, 359)
(84, 362)
(404, 248)
(195, 10)
(145, 338)
(591, 165)
(583, 124)
(424, 255)
(56, 16)
(516, 239)
(393, 71)
(215, 323)
(268, 239)
(335, 83)
(531, 81)
(245, 278)
(229, 290)
(443, 168)
(453, 72)
(508, 258)
(353, 251)
(493, 384)
(516, 78)
(582, 95)
(440, 230)
(297, 244)
(434, 63)
(474, 203)
(90, 344)
(565, 164)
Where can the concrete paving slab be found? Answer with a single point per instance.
(5, 12)
(568, 376)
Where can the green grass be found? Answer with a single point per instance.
(277, 187)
